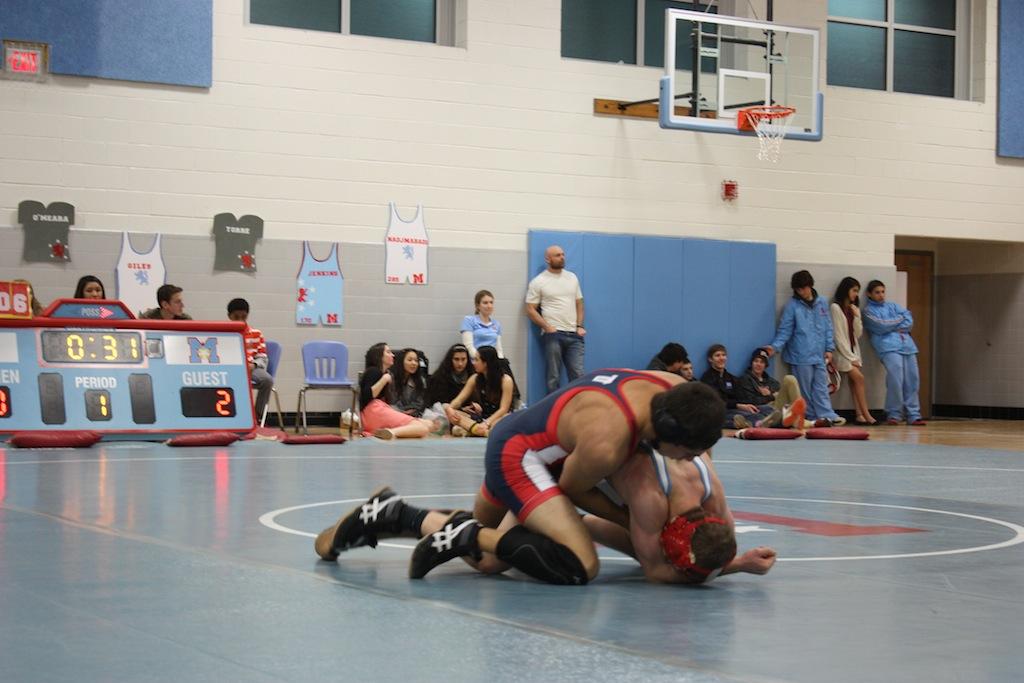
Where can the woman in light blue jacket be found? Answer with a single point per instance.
(889, 325)
(805, 338)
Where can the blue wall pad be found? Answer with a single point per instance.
(1010, 137)
(642, 292)
(657, 304)
(155, 41)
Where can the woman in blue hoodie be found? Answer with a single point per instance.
(889, 325)
(806, 341)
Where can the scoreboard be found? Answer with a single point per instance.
(101, 369)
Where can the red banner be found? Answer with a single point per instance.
(14, 302)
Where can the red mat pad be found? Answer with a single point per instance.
(76, 438)
(204, 439)
(840, 433)
(301, 439)
(766, 434)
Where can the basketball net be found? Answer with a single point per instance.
(769, 124)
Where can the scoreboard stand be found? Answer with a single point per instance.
(89, 364)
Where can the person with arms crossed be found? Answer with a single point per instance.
(889, 325)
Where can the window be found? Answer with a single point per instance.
(429, 21)
(607, 31)
(911, 46)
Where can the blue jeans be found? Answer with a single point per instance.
(902, 383)
(562, 348)
(813, 381)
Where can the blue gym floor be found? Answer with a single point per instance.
(139, 562)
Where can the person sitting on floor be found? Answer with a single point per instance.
(780, 403)
(376, 393)
(449, 378)
(410, 383)
(490, 391)
(738, 414)
(671, 358)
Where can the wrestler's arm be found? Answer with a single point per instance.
(754, 561)
(593, 500)
(646, 520)
(609, 534)
(600, 449)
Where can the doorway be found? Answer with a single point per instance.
(920, 269)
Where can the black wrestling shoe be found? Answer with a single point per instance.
(457, 538)
(378, 517)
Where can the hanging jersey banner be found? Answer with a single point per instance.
(139, 275)
(235, 241)
(46, 230)
(319, 289)
(405, 249)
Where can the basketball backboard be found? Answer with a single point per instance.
(743, 63)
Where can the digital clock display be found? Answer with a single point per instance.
(207, 402)
(92, 346)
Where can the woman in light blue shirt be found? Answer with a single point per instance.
(480, 329)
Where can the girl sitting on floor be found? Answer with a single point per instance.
(489, 394)
(376, 393)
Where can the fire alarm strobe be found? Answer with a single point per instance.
(730, 190)
(29, 61)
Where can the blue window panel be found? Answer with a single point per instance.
(924, 63)
(658, 296)
(315, 15)
(602, 30)
(706, 291)
(654, 36)
(538, 242)
(158, 41)
(858, 9)
(403, 19)
(856, 56)
(932, 13)
(1010, 136)
(608, 299)
(751, 301)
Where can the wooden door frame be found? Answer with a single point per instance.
(926, 401)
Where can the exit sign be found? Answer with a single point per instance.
(26, 60)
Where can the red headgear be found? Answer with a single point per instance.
(676, 540)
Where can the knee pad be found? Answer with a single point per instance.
(541, 558)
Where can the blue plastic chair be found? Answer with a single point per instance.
(325, 364)
(273, 358)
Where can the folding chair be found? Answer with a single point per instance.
(273, 359)
(325, 365)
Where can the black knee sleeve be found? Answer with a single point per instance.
(541, 558)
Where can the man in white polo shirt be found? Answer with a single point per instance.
(554, 303)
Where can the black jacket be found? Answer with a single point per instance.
(746, 389)
(725, 384)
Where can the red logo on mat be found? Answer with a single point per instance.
(819, 528)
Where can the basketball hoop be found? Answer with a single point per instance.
(769, 123)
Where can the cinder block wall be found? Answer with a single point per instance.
(425, 317)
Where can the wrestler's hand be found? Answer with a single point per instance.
(757, 560)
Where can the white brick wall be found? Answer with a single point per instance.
(315, 132)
